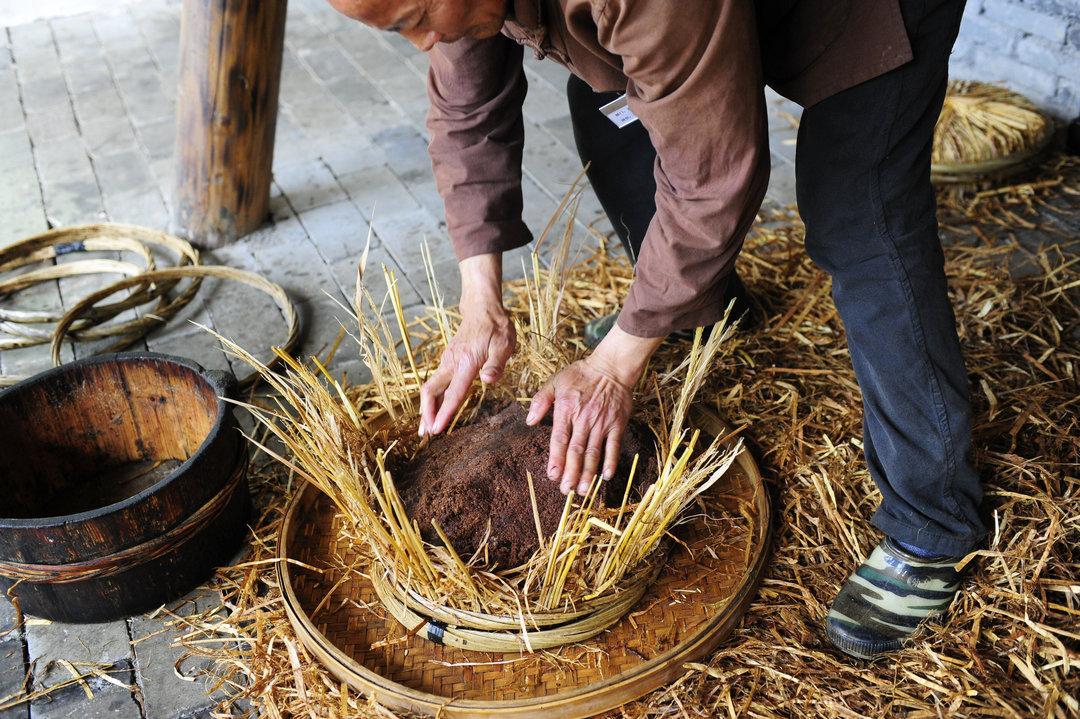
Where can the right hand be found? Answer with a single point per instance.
(483, 343)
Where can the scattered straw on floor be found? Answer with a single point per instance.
(1010, 646)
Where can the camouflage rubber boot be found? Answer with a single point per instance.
(887, 598)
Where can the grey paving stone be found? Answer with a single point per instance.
(110, 701)
(544, 102)
(7, 619)
(296, 266)
(370, 114)
(403, 235)
(782, 145)
(378, 190)
(244, 315)
(50, 642)
(130, 59)
(99, 103)
(15, 150)
(11, 112)
(406, 151)
(115, 27)
(421, 185)
(51, 123)
(12, 674)
(77, 43)
(89, 74)
(124, 172)
(327, 62)
(165, 695)
(157, 138)
(309, 185)
(106, 135)
(781, 182)
(62, 158)
(344, 273)
(145, 98)
(195, 344)
(41, 93)
(338, 231)
(561, 130)
(348, 153)
(408, 92)
(322, 321)
(139, 207)
(73, 202)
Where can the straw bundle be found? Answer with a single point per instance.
(1009, 646)
(580, 580)
(984, 129)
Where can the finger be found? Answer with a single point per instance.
(575, 453)
(498, 354)
(541, 403)
(560, 438)
(611, 452)
(454, 396)
(591, 460)
(430, 394)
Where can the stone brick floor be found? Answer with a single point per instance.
(87, 106)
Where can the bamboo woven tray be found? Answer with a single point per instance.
(693, 606)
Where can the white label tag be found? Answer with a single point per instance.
(618, 111)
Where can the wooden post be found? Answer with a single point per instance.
(230, 69)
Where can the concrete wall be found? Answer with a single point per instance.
(1031, 46)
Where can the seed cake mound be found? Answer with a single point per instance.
(477, 474)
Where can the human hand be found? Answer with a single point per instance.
(592, 401)
(483, 343)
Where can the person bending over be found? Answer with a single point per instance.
(682, 186)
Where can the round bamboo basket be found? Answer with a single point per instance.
(696, 599)
(986, 132)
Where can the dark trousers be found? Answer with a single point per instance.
(864, 192)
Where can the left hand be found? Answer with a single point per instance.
(592, 399)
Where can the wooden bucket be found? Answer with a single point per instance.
(694, 604)
(124, 480)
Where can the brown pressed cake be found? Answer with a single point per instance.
(477, 474)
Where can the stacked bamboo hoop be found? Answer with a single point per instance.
(986, 132)
(481, 632)
(87, 320)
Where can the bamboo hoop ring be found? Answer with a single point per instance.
(125, 559)
(463, 637)
(258, 282)
(490, 622)
(30, 336)
(93, 238)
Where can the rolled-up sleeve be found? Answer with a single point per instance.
(694, 80)
(476, 88)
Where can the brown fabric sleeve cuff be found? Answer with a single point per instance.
(489, 238)
(649, 320)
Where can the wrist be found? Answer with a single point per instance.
(481, 281)
(624, 356)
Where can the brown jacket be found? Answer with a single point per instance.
(693, 72)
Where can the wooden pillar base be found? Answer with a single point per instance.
(230, 70)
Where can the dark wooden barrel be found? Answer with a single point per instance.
(123, 483)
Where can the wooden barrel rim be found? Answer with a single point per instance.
(222, 383)
(139, 554)
(581, 701)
